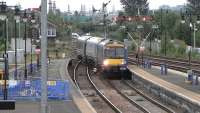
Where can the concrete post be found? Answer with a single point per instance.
(44, 56)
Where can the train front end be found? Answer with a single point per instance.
(114, 58)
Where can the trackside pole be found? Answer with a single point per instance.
(44, 56)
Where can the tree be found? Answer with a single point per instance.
(132, 6)
(194, 6)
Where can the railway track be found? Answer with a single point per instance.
(74, 76)
(96, 99)
(116, 109)
(142, 101)
(180, 65)
(121, 103)
(130, 100)
(123, 106)
(112, 95)
(154, 104)
(167, 58)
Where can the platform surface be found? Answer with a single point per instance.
(54, 106)
(175, 77)
(34, 107)
(185, 93)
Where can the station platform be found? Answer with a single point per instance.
(171, 87)
(75, 103)
(175, 77)
(34, 107)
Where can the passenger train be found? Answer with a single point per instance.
(109, 55)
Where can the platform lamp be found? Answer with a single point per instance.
(25, 19)
(138, 52)
(17, 20)
(3, 17)
(154, 27)
(33, 22)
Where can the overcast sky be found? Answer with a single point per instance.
(76, 4)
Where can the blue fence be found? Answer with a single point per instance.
(58, 90)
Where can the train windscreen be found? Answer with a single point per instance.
(114, 53)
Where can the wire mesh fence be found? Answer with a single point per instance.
(57, 90)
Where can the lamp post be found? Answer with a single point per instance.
(25, 19)
(104, 18)
(17, 19)
(154, 27)
(32, 21)
(161, 24)
(192, 26)
(3, 17)
(166, 37)
(139, 27)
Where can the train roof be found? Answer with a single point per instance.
(111, 43)
(101, 41)
(114, 45)
(83, 38)
(95, 39)
(75, 35)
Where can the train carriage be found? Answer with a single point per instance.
(92, 50)
(107, 54)
(81, 46)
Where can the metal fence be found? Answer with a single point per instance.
(57, 90)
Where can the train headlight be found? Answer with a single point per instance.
(105, 62)
(123, 61)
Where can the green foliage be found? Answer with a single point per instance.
(195, 55)
(87, 27)
(171, 24)
(131, 6)
(194, 6)
(117, 35)
(61, 26)
(177, 48)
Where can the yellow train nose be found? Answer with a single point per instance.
(113, 62)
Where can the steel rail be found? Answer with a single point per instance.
(130, 100)
(160, 105)
(174, 66)
(169, 58)
(102, 95)
(74, 77)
